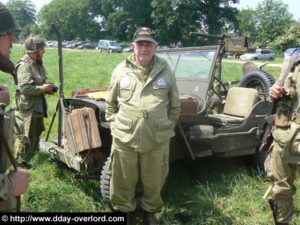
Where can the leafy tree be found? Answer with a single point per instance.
(24, 12)
(28, 30)
(174, 19)
(247, 22)
(75, 18)
(290, 38)
(122, 18)
(271, 20)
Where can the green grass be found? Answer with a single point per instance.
(207, 191)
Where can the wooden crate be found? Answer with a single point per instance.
(189, 108)
(82, 131)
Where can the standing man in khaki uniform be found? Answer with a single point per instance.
(284, 154)
(16, 182)
(142, 107)
(30, 102)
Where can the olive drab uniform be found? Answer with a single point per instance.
(284, 154)
(143, 107)
(8, 203)
(30, 105)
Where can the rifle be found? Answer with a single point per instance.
(270, 120)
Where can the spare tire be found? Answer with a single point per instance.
(258, 79)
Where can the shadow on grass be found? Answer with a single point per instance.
(55, 189)
(194, 190)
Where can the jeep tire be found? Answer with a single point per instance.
(258, 79)
(105, 183)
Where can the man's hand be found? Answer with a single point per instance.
(21, 178)
(276, 91)
(4, 94)
(48, 88)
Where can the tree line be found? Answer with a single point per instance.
(269, 24)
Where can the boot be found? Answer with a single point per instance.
(149, 218)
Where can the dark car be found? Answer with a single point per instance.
(88, 45)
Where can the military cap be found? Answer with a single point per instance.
(144, 34)
(8, 22)
(34, 43)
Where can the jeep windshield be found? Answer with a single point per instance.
(193, 68)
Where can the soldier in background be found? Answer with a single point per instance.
(30, 101)
(16, 182)
(142, 107)
(284, 154)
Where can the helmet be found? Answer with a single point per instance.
(34, 43)
(8, 22)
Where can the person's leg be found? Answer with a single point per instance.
(283, 176)
(154, 170)
(125, 173)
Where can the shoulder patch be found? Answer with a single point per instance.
(161, 82)
(125, 83)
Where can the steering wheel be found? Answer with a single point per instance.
(220, 82)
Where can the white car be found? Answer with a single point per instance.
(259, 54)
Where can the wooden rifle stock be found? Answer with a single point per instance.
(268, 137)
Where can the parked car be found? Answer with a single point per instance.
(75, 44)
(88, 45)
(124, 46)
(288, 52)
(259, 54)
(109, 46)
(162, 47)
(128, 49)
(51, 43)
(232, 55)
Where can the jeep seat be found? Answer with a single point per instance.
(238, 105)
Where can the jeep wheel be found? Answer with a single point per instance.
(105, 186)
(258, 79)
(105, 183)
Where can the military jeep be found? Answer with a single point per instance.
(218, 119)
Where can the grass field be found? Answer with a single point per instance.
(207, 191)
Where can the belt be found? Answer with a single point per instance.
(145, 114)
